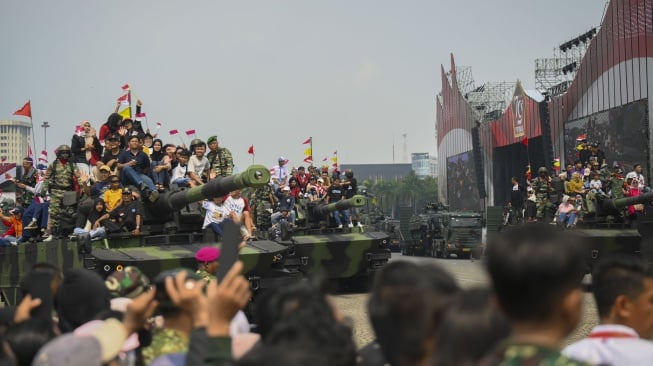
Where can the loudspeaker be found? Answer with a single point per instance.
(545, 125)
(477, 151)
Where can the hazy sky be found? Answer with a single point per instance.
(355, 75)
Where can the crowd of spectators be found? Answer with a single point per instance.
(419, 314)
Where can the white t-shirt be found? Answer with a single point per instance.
(179, 172)
(639, 177)
(198, 166)
(612, 344)
(236, 205)
(214, 213)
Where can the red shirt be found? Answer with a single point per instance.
(15, 227)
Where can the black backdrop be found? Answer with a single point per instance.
(510, 161)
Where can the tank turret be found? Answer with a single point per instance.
(254, 176)
(324, 209)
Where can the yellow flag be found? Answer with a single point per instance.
(126, 113)
(334, 159)
(308, 152)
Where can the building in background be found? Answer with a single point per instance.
(424, 165)
(14, 137)
(376, 172)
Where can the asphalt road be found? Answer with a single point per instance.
(468, 273)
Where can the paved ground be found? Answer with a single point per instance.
(469, 274)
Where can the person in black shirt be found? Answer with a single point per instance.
(111, 153)
(517, 198)
(129, 214)
(351, 189)
(336, 193)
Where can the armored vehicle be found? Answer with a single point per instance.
(438, 232)
(348, 256)
(170, 237)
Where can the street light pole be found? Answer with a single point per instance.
(45, 125)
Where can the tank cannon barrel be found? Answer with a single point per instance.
(619, 203)
(254, 176)
(325, 209)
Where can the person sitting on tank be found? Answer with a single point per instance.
(311, 190)
(239, 205)
(295, 190)
(180, 172)
(287, 203)
(160, 165)
(113, 196)
(576, 185)
(14, 224)
(567, 212)
(336, 193)
(98, 189)
(135, 167)
(129, 214)
(91, 222)
(595, 185)
(216, 215)
(198, 164)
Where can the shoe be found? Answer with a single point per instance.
(350, 226)
(340, 226)
(14, 243)
(47, 238)
(33, 225)
(359, 225)
(154, 195)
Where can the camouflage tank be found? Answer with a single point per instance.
(170, 237)
(606, 232)
(349, 256)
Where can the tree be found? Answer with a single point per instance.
(410, 191)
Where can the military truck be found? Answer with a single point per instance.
(171, 235)
(438, 232)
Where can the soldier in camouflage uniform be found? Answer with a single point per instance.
(221, 163)
(542, 188)
(59, 179)
(28, 179)
(165, 341)
(262, 200)
(207, 263)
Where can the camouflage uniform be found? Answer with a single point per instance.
(510, 354)
(29, 180)
(58, 179)
(206, 276)
(221, 162)
(616, 187)
(165, 341)
(260, 202)
(541, 189)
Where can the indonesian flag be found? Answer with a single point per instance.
(335, 152)
(308, 141)
(124, 100)
(308, 159)
(581, 137)
(190, 132)
(7, 172)
(25, 111)
(125, 87)
(325, 159)
(251, 150)
(173, 132)
(140, 115)
(158, 125)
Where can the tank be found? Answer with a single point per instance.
(607, 233)
(170, 237)
(438, 232)
(349, 257)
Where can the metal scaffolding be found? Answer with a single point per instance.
(554, 75)
(490, 100)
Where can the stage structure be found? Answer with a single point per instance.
(553, 76)
(596, 84)
(489, 100)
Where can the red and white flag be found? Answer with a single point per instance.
(251, 150)
(30, 153)
(43, 159)
(174, 132)
(140, 115)
(308, 159)
(325, 159)
(125, 87)
(158, 125)
(190, 132)
(124, 100)
(308, 141)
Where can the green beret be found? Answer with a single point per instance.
(211, 139)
